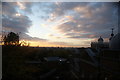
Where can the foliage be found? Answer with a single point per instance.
(11, 39)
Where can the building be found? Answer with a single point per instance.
(108, 60)
(100, 44)
(115, 40)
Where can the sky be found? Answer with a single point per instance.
(60, 24)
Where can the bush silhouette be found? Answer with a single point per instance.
(11, 39)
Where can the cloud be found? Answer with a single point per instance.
(12, 20)
(66, 6)
(17, 22)
(26, 37)
(74, 20)
(90, 20)
(8, 8)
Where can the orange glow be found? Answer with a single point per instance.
(50, 44)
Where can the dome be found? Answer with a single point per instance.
(100, 39)
(115, 42)
(112, 34)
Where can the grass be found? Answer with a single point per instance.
(15, 68)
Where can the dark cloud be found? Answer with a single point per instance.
(10, 21)
(8, 8)
(17, 24)
(95, 19)
(62, 7)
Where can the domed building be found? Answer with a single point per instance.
(100, 44)
(100, 40)
(115, 40)
(109, 58)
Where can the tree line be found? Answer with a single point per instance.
(13, 38)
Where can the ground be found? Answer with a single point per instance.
(28, 63)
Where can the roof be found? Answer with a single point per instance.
(115, 42)
(100, 39)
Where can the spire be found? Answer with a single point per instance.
(112, 32)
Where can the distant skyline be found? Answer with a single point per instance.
(60, 24)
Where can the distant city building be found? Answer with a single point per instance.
(100, 44)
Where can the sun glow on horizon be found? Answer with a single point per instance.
(59, 23)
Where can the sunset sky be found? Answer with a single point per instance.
(63, 24)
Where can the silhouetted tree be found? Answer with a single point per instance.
(11, 39)
(24, 43)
